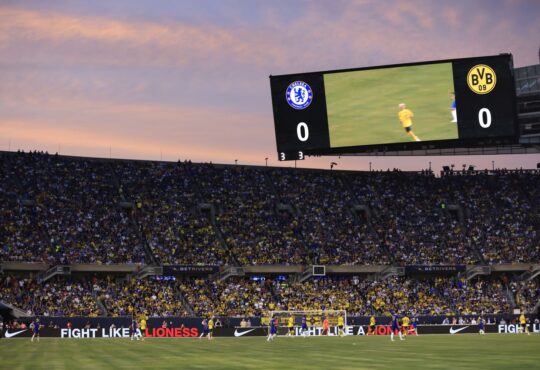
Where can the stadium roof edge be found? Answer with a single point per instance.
(218, 165)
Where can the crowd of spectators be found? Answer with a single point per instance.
(21, 234)
(56, 297)
(526, 293)
(439, 296)
(466, 219)
(501, 219)
(421, 296)
(247, 215)
(72, 204)
(329, 227)
(149, 297)
(166, 199)
(21, 238)
(247, 297)
(235, 297)
(65, 210)
(480, 296)
(411, 296)
(410, 215)
(330, 293)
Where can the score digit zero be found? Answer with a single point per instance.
(302, 131)
(484, 123)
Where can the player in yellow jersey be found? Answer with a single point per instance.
(405, 324)
(290, 325)
(142, 324)
(523, 323)
(405, 118)
(210, 328)
(340, 325)
(372, 326)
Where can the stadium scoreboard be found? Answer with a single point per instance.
(438, 104)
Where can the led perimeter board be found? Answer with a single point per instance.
(439, 104)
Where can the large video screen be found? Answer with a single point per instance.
(437, 104)
(393, 105)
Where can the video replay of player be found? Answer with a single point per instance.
(391, 105)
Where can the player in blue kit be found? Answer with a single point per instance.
(304, 328)
(481, 326)
(35, 327)
(133, 329)
(413, 330)
(395, 327)
(453, 110)
(205, 330)
(273, 329)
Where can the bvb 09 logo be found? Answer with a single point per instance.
(481, 79)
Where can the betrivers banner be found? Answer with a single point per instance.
(185, 332)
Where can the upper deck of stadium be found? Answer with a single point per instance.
(68, 210)
(102, 219)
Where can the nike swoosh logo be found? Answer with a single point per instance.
(9, 335)
(454, 331)
(239, 334)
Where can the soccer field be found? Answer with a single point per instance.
(362, 106)
(422, 352)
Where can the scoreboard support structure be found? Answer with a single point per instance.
(488, 149)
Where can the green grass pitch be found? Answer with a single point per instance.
(423, 352)
(362, 106)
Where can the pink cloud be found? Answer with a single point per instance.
(363, 33)
(451, 16)
(76, 140)
(93, 122)
(60, 80)
(126, 42)
(406, 14)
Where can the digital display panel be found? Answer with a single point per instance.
(393, 105)
(441, 104)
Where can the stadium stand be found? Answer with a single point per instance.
(410, 215)
(75, 207)
(236, 297)
(166, 200)
(84, 207)
(110, 219)
(153, 298)
(247, 215)
(325, 217)
(527, 293)
(21, 235)
(57, 297)
(244, 297)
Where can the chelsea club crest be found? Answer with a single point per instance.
(299, 95)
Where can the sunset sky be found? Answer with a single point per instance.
(189, 79)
